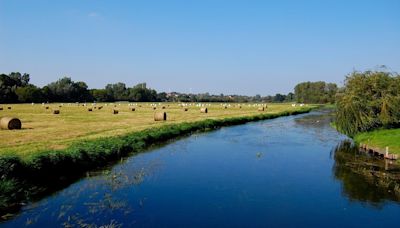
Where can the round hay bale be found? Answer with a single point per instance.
(154, 108)
(163, 107)
(204, 110)
(185, 109)
(115, 111)
(47, 107)
(226, 107)
(261, 109)
(90, 110)
(56, 111)
(160, 116)
(1, 108)
(10, 123)
(100, 107)
(133, 109)
(9, 107)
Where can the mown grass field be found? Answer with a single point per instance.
(42, 130)
(381, 139)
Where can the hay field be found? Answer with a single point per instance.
(41, 129)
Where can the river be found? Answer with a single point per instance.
(290, 171)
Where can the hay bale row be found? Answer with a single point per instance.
(160, 116)
(10, 123)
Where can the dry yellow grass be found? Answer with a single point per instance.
(41, 129)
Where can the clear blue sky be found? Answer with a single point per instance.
(243, 47)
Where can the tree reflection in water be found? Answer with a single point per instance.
(365, 178)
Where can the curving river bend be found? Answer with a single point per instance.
(290, 171)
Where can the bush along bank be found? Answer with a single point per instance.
(47, 166)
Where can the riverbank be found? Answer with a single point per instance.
(217, 174)
(43, 130)
(19, 175)
(381, 139)
(378, 140)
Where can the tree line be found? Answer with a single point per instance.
(368, 100)
(16, 88)
(315, 92)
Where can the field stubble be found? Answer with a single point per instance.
(42, 130)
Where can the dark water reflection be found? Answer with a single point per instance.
(292, 171)
(366, 178)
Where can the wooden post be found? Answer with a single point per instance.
(387, 152)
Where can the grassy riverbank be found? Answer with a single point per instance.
(19, 174)
(381, 139)
(92, 152)
(42, 130)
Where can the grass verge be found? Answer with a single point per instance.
(381, 139)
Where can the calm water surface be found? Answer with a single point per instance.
(281, 172)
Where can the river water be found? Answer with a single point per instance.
(291, 171)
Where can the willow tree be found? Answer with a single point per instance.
(368, 100)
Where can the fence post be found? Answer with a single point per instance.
(387, 152)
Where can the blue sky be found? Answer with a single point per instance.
(232, 47)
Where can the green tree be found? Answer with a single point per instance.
(369, 100)
(9, 84)
(66, 90)
(100, 95)
(117, 91)
(29, 93)
(315, 92)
